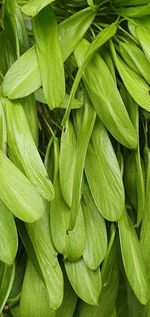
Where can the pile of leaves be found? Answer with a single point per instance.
(74, 158)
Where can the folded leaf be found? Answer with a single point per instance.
(3, 132)
(49, 56)
(40, 236)
(94, 253)
(132, 259)
(136, 86)
(134, 12)
(105, 170)
(9, 239)
(86, 115)
(105, 97)
(101, 38)
(71, 244)
(86, 283)
(110, 279)
(18, 193)
(22, 150)
(135, 59)
(7, 273)
(72, 30)
(23, 77)
(34, 297)
(145, 233)
(39, 96)
(33, 7)
(67, 161)
(142, 30)
(69, 302)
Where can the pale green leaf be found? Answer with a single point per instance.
(33, 7)
(67, 161)
(105, 97)
(22, 150)
(135, 59)
(9, 240)
(40, 236)
(49, 56)
(39, 96)
(110, 279)
(86, 115)
(132, 259)
(34, 297)
(23, 77)
(18, 193)
(86, 283)
(136, 85)
(96, 235)
(7, 273)
(105, 170)
(69, 301)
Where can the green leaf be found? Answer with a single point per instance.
(136, 86)
(9, 239)
(86, 283)
(105, 170)
(17, 40)
(121, 3)
(22, 150)
(110, 279)
(39, 96)
(86, 115)
(69, 302)
(71, 244)
(49, 56)
(98, 41)
(3, 132)
(67, 161)
(29, 106)
(105, 97)
(72, 30)
(23, 77)
(40, 236)
(145, 232)
(134, 12)
(94, 253)
(135, 59)
(34, 297)
(64, 241)
(7, 273)
(132, 259)
(17, 192)
(33, 7)
(142, 30)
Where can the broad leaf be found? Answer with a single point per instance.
(33, 7)
(22, 150)
(132, 259)
(34, 297)
(9, 240)
(86, 283)
(105, 170)
(105, 97)
(40, 236)
(49, 56)
(136, 85)
(18, 193)
(94, 253)
(7, 273)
